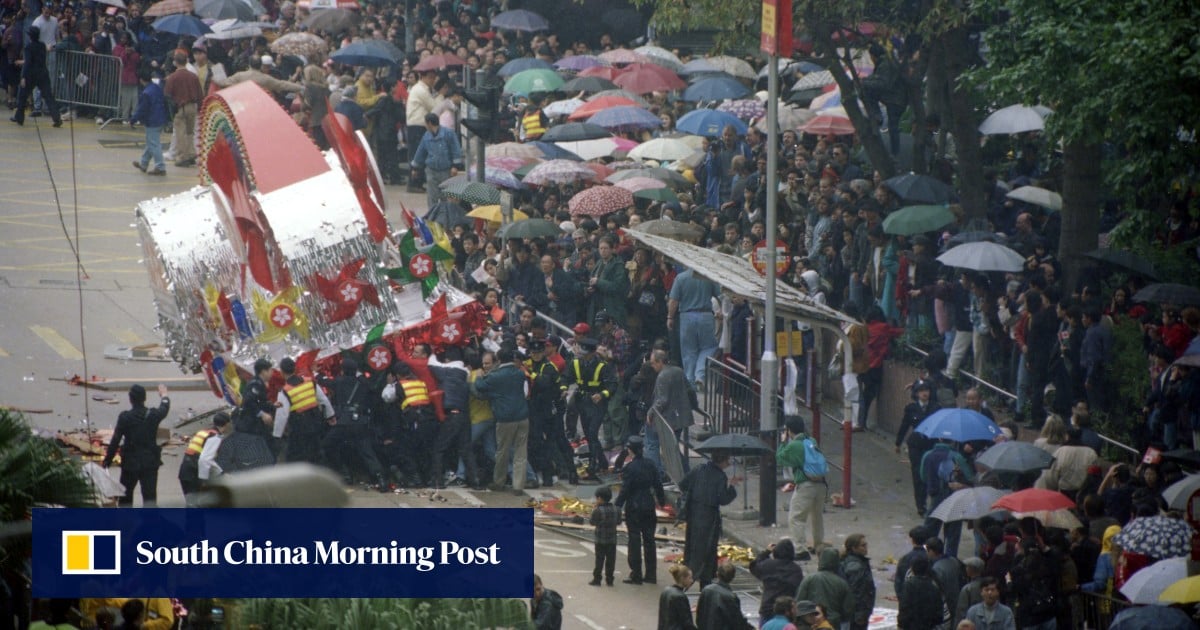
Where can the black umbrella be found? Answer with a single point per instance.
(1124, 259)
(919, 188)
(1169, 293)
(575, 132)
(1019, 457)
(588, 84)
(734, 444)
(448, 214)
(804, 97)
(331, 20)
(530, 228)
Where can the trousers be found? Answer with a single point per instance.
(641, 546)
(148, 478)
(454, 433)
(808, 499)
(183, 132)
(512, 441)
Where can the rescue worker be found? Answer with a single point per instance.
(256, 415)
(417, 420)
(349, 437)
(302, 411)
(534, 121)
(190, 477)
(595, 381)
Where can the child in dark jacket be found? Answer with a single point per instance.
(605, 517)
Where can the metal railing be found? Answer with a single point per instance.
(88, 80)
(1095, 611)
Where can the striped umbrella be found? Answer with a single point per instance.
(622, 55)
(512, 149)
(635, 184)
(169, 7)
(814, 80)
(474, 193)
(598, 201)
(558, 172)
(828, 125)
(578, 63)
(625, 118)
(745, 109)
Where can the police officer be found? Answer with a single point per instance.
(641, 492)
(418, 420)
(546, 437)
(350, 435)
(257, 413)
(191, 478)
(302, 411)
(533, 121)
(595, 381)
(137, 430)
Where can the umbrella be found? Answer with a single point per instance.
(574, 132)
(588, 84)
(1185, 591)
(558, 172)
(676, 230)
(1012, 119)
(1169, 293)
(698, 66)
(734, 444)
(744, 109)
(520, 20)
(919, 188)
(179, 24)
(224, 10)
(673, 179)
(578, 62)
(120, 4)
(521, 64)
(814, 80)
(496, 177)
(1013, 456)
(562, 108)
(789, 118)
(967, 504)
(661, 57)
(447, 214)
(918, 220)
(983, 256)
(1037, 196)
(662, 149)
(662, 195)
(635, 184)
(303, 44)
(598, 201)
(365, 53)
(732, 66)
(600, 170)
(512, 149)
(803, 98)
(1124, 259)
(1151, 618)
(607, 73)
(593, 106)
(233, 29)
(474, 193)
(960, 425)
(1156, 536)
(331, 20)
(1148, 584)
(1033, 500)
(644, 78)
(625, 118)
(536, 80)
(507, 162)
(593, 149)
(552, 151)
(622, 55)
(709, 123)
(1177, 494)
(1058, 519)
(715, 89)
(439, 62)
(530, 228)
(637, 100)
(169, 7)
(492, 214)
(826, 125)
(973, 236)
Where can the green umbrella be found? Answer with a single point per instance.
(656, 194)
(530, 228)
(918, 220)
(524, 170)
(527, 82)
(474, 193)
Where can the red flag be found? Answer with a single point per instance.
(357, 163)
(438, 311)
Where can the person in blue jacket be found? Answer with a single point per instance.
(152, 113)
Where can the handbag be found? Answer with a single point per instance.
(647, 298)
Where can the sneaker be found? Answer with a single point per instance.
(99, 120)
(57, 124)
(649, 581)
(16, 120)
(186, 163)
(168, 156)
(457, 482)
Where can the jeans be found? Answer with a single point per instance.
(697, 342)
(485, 431)
(652, 447)
(951, 533)
(153, 150)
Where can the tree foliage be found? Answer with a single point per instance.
(371, 614)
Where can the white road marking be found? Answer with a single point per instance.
(466, 496)
(589, 623)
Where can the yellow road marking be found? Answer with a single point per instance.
(57, 342)
(126, 336)
(3, 353)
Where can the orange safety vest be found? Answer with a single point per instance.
(415, 393)
(532, 122)
(302, 397)
(196, 444)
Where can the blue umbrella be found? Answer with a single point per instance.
(715, 89)
(555, 152)
(522, 64)
(625, 117)
(959, 425)
(698, 66)
(709, 123)
(520, 20)
(181, 24)
(1151, 618)
(365, 54)
(1156, 536)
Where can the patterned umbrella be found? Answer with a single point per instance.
(574, 132)
(588, 84)
(301, 44)
(828, 125)
(512, 149)
(622, 55)
(578, 63)
(732, 66)
(558, 172)
(439, 62)
(660, 56)
(592, 107)
(967, 504)
(521, 64)
(536, 80)
(709, 123)
(508, 163)
(497, 177)
(562, 108)
(635, 184)
(662, 149)
(520, 20)
(715, 89)
(637, 100)
(745, 109)
(598, 201)
(608, 73)
(1156, 536)
(169, 7)
(649, 78)
(814, 80)
(625, 118)
(474, 193)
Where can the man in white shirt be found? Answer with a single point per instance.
(421, 101)
(209, 468)
(48, 25)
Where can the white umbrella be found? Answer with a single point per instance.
(1012, 119)
(732, 66)
(983, 256)
(1037, 196)
(661, 57)
(563, 108)
(120, 4)
(591, 149)
(968, 503)
(233, 29)
(1177, 494)
(814, 80)
(789, 118)
(662, 149)
(1147, 584)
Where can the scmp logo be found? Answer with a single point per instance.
(91, 553)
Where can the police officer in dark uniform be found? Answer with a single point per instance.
(641, 492)
(257, 413)
(596, 381)
(303, 409)
(136, 435)
(418, 426)
(545, 440)
(349, 437)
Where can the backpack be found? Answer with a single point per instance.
(815, 466)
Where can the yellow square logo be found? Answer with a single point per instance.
(91, 553)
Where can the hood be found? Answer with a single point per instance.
(813, 280)
(552, 598)
(1106, 543)
(829, 559)
(785, 550)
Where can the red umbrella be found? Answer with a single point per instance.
(828, 125)
(601, 170)
(598, 201)
(439, 62)
(604, 72)
(587, 110)
(648, 78)
(1034, 500)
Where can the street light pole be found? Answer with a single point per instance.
(769, 365)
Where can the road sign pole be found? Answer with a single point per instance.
(769, 366)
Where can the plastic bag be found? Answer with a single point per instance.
(105, 486)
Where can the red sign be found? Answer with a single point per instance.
(776, 37)
(760, 255)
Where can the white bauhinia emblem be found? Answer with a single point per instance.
(421, 265)
(450, 332)
(349, 293)
(282, 316)
(379, 358)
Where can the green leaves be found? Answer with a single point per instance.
(385, 614)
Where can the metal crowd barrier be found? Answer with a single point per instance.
(88, 80)
(730, 397)
(1095, 611)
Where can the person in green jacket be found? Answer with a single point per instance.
(827, 588)
(808, 499)
(608, 287)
